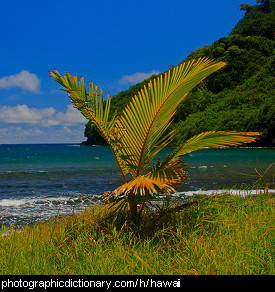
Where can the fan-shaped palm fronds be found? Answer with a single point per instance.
(139, 133)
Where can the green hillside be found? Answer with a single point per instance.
(241, 96)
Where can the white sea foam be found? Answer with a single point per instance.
(45, 201)
(25, 171)
(233, 192)
(37, 202)
(18, 203)
(12, 202)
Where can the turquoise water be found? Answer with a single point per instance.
(38, 181)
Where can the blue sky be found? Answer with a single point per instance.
(113, 43)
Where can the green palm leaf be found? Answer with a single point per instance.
(211, 139)
(159, 180)
(91, 105)
(149, 114)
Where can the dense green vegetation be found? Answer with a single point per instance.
(217, 235)
(240, 97)
(259, 20)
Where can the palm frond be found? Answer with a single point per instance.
(143, 185)
(211, 139)
(91, 105)
(160, 179)
(149, 114)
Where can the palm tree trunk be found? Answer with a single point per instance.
(133, 208)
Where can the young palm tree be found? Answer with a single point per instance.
(140, 132)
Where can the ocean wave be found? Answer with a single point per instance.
(48, 201)
(29, 210)
(255, 147)
(24, 171)
(234, 192)
(92, 199)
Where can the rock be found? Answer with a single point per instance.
(94, 139)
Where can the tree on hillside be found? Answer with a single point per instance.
(245, 7)
(258, 20)
(264, 5)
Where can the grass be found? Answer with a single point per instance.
(217, 235)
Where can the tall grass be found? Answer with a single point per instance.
(217, 235)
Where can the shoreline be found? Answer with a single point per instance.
(31, 220)
(103, 143)
(84, 143)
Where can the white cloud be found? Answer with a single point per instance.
(32, 134)
(24, 80)
(45, 117)
(14, 134)
(137, 77)
(22, 114)
(71, 117)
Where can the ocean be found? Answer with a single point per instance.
(45, 180)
